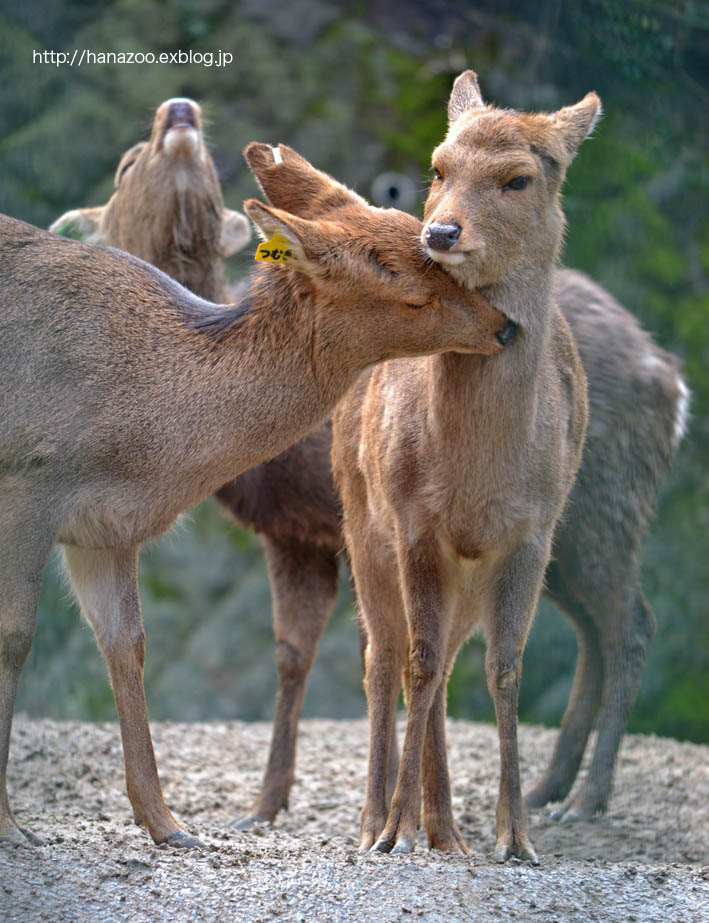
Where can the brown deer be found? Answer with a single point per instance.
(167, 208)
(638, 405)
(636, 411)
(453, 472)
(125, 399)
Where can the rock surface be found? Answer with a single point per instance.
(645, 861)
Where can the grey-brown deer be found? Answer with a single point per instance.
(453, 473)
(125, 399)
(167, 208)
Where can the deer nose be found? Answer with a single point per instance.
(442, 236)
(180, 112)
(508, 333)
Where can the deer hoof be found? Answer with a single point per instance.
(182, 840)
(18, 836)
(403, 845)
(383, 844)
(575, 811)
(248, 821)
(524, 850)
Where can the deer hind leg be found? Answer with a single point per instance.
(427, 636)
(25, 542)
(105, 583)
(507, 625)
(625, 643)
(304, 583)
(584, 701)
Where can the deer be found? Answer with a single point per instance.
(167, 207)
(453, 472)
(638, 410)
(126, 399)
(637, 415)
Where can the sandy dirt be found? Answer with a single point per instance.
(645, 861)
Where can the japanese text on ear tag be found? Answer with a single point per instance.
(276, 250)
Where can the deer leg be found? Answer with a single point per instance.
(393, 765)
(375, 575)
(581, 711)
(105, 583)
(304, 586)
(421, 582)
(441, 828)
(23, 554)
(625, 649)
(518, 590)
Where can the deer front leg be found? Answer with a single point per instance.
(423, 598)
(106, 586)
(304, 588)
(25, 542)
(374, 571)
(516, 596)
(441, 828)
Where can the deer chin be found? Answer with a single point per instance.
(445, 258)
(181, 141)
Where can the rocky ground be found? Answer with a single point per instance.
(645, 861)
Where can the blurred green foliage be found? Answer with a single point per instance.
(360, 88)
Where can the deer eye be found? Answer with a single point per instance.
(519, 182)
(417, 307)
(437, 175)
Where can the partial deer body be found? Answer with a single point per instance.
(125, 399)
(453, 472)
(167, 208)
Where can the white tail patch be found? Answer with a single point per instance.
(277, 155)
(681, 412)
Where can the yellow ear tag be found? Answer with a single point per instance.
(276, 250)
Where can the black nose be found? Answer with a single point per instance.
(442, 236)
(508, 333)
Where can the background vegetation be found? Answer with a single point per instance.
(361, 88)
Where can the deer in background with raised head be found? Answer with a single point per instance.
(453, 472)
(167, 208)
(125, 399)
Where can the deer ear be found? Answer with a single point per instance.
(290, 182)
(127, 160)
(465, 96)
(80, 224)
(236, 233)
(270, 221)
(576, 123)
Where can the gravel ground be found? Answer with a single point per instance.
(645, 861)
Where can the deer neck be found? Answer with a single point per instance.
(268, 376)
(482, 398)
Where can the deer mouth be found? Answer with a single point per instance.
(449, 244)
(181, 130)
(447, 258)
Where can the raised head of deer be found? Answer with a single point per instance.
(167, 208)
(125, 399)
